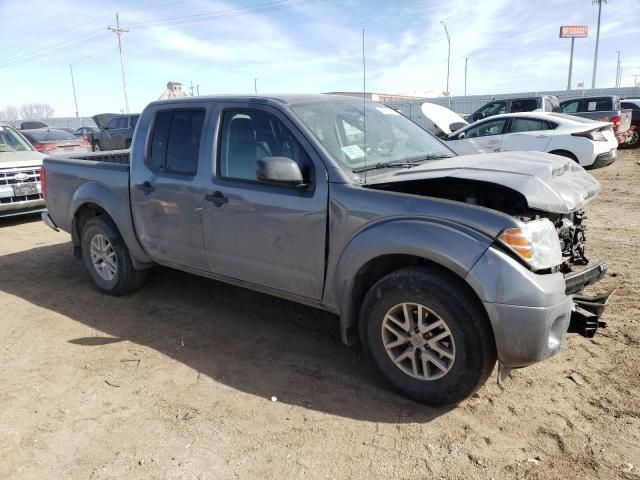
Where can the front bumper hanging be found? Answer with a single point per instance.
(587, 311)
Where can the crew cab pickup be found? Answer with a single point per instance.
(606, 108)
(440, 265)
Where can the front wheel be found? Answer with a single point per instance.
(427, 335)
(107, 258)
(97, 147)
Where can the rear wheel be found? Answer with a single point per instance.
(634, 141)
(427, 335)
(127, 144)
(107, 258)
(97, 147)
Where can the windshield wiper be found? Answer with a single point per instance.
(408, 163)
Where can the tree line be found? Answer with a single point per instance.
(28, 111)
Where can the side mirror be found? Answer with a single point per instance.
(461, 135)
(279, 171)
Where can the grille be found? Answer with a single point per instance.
(8, 177)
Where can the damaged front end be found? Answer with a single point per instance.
(579, 273)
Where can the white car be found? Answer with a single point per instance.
(590, 143)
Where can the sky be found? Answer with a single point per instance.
(302, 46)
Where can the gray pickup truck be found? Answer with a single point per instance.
(606, 108)
(440, 265)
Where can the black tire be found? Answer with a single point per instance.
(449, 299)
(635, 140)
(126, 278)
(127, 144)
(97, 147)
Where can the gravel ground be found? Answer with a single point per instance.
(191, 378)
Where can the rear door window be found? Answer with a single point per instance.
(599, 105)
(175, 141)
(113, 123)
(123, 122)
(520, 125)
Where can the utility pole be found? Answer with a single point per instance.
(198, 90)
(573, 41)
(191, 88)
(466, 62)
(448, 58)
(618, 72)
(255, 85)
(595, 57)
(636, 83)
(119, 31)
(73, 85)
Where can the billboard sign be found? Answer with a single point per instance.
(574, 31)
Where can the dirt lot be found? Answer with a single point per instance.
(177, 380)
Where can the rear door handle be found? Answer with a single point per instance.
(146, 188)
(217, 198)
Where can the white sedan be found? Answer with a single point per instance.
(590, 143)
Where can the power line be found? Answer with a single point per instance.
(96, 35)
(204, 17)
(75, 38)
(55, 51)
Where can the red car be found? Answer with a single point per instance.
(52, 141)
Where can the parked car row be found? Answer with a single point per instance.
(591, 144)
(606, 108)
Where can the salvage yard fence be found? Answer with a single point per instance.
(470, 103)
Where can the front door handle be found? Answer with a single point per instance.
(146, 188)
(217, 198)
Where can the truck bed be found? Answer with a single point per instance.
(605, 116)
(113, 156)
(103, 176)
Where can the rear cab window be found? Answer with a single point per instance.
(175, 141)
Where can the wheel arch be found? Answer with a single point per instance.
(374, 253)
(93, 199)
(565, 153)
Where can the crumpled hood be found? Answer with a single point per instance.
(550, 183)
(21, 159)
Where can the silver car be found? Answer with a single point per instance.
(20, 188)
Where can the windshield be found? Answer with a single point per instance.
(339, 125)
(12, 141)
(49, 135)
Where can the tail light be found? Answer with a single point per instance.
(616, 122)
(596, 135)
(43, 147)
(43, 182)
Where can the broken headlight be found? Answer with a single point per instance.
(536, 242)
